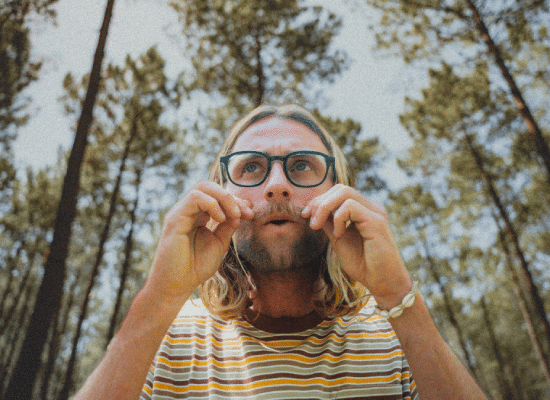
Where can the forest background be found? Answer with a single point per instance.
(440, 106)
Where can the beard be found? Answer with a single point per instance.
(305, 252)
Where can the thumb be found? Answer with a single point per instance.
(328, 228)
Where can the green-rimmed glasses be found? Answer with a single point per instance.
(304, 168)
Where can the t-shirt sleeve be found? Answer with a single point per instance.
(147, 390)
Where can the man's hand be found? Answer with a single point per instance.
(195, 237)
(361, 236)
(191, 249)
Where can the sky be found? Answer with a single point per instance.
(371, 91)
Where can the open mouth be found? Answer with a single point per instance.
(279, 221)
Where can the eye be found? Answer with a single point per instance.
(301, 166)
(251, 167)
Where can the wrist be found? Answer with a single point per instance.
(396, 310)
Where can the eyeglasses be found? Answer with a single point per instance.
(303, 168)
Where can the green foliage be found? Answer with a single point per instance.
(363, 155)
(257, 52)
(17, 69)
(474, 157)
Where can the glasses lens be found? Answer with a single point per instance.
(247, 169)
(306, 169)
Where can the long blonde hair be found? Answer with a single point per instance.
(226, 293)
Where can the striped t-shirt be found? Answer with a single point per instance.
(353, 357)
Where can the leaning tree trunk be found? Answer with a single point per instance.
(537, 346)
(49, 296)
(449, 309)
(507, 387)
(57, 331)
(9, 353)
(17, 298)
(127, 262)
(530, 286)
(95, 269)
(541, 146)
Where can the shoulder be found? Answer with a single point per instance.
(193, 311)
(193, 307)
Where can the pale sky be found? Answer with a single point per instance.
(370, 92)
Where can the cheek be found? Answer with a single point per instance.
(243, 233)
(304, 196)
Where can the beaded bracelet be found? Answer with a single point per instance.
(407, 302)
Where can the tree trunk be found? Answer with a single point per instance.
(11, 267)
(95, 269)
(508, 389)
(126, 264)
(530, 288)
(259, 70)
(16, 299)
(541, 146)
(51, 290)
(15, 338)
(448, 308)
(54, 344)
(543, 362)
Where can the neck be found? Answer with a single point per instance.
(284, 293)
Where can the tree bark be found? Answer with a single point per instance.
(49, 368)
(51, 290)
(541, 146)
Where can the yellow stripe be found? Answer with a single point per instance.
(278, 357)
(148, 389)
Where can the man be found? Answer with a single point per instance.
(284, 250)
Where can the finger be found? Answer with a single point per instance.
(320, 208)
(204, 203)
(347, 192)
(228, 202)
(246, 208)
(350, 211)
(225, 230)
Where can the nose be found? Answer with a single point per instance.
(277, 187)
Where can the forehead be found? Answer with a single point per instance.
(278, 136)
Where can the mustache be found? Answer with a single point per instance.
(271, 208)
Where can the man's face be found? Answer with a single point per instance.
(278, 239)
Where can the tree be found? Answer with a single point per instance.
(364, 155)
(244, 54)
(133, 97)
(455, 121)
(49, 295)
(261, 51)
(24, 247)
(17, 69)
(458, 30)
